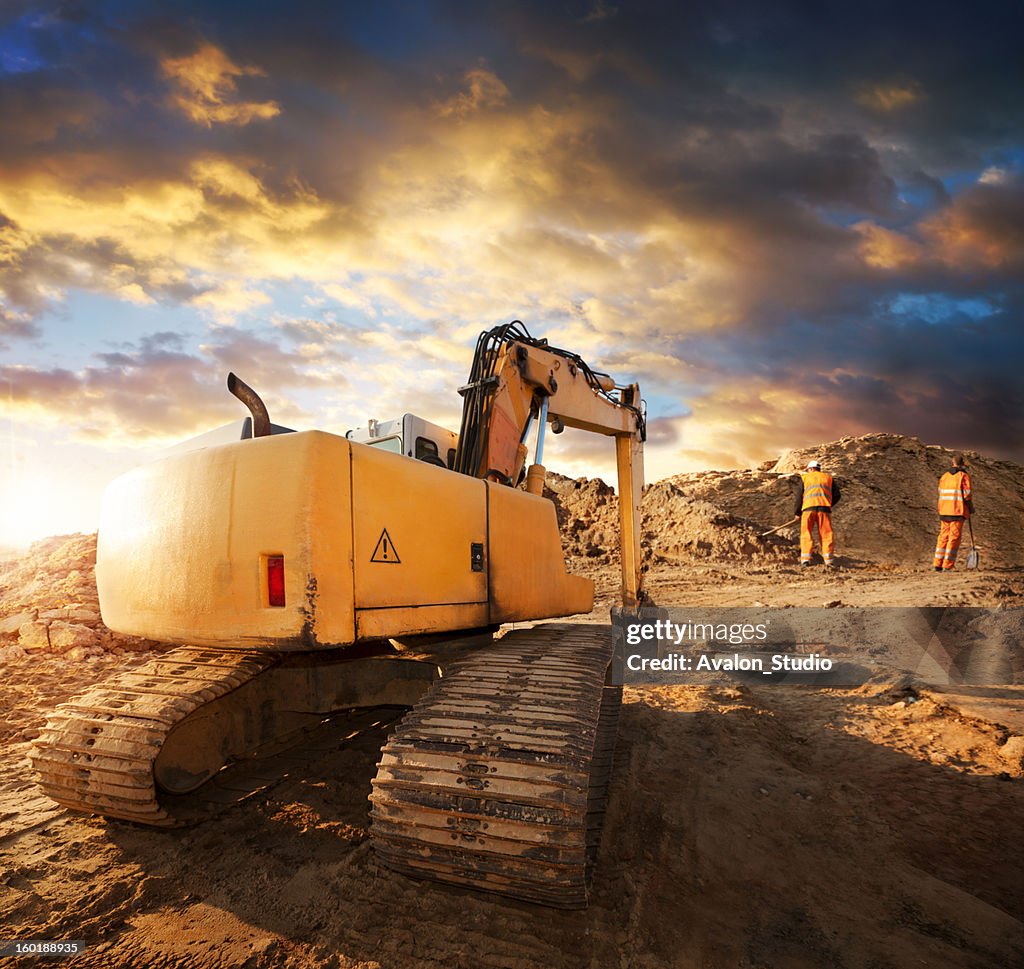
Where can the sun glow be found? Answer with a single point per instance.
(35, 504)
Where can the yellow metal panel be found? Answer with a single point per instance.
(413, 526)
(183, 544)
(527, 572)
(413, 620)
(629, 455)
(574, 400)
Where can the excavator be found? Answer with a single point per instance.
(311, 573)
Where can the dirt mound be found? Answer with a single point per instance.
(676, 525)
(588, 516)
(889, 493)
(49, 604)
(886, 515)
(681, 524)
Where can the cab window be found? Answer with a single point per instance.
(425, 448)
(393, 444)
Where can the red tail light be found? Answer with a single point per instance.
(275, 580)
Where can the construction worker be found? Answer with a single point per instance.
(955, 507)
(818, 495)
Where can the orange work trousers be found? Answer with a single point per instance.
(821, 520)
(949, 542)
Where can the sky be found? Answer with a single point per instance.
(788, 222)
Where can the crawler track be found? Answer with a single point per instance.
(97, 752)
(199, 729)
(497, 779)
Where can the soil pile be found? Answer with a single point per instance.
(49, 604)
(889, 492)
(886, 514)
(676, 525)
(588, 516)
(679, 525)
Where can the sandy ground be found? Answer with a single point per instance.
(861, 584)
(751, 825)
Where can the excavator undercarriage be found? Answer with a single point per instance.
(496, 779)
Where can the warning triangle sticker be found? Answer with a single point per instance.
(385, 550)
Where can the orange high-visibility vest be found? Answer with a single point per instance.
(954, 493)
(817, 490)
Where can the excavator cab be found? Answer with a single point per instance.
(412, 436)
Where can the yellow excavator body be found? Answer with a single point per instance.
(373, 545)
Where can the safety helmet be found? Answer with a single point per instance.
(813, 465)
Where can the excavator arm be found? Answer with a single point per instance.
(516, 380)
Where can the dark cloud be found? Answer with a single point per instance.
(951, 381)
(156, 390)
(992, 216)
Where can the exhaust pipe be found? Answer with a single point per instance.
(249, 397)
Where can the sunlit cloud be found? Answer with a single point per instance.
(890, 97)
(206, 89)
(983, 226)
(225, 300)
(883, 248)
(348, 296)
(483, 91)
(16, 324)
(994, 175)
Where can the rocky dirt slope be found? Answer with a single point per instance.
(886, 515)
(48, 603)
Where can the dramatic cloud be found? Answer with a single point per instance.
(157, 392)
(206, 89)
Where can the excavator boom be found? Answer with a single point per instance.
(516, 379)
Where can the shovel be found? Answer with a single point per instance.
(973, 558)
(778, 528)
